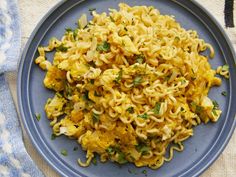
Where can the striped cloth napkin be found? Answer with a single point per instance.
(14, 160)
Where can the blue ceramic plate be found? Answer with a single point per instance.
(200, 150)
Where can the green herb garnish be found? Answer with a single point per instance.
(62, 48)
(103, 47)
(119, 76)
(139, 59)
(75, 148)
(112, 19)
(109, 150)
(214, 112)
(137, 81)
(144, 172)
(53, 136)
(183, 82)
(143, 116)
(142, 148)
(64, 152)
(121, 158)
(69, 30)
(95, 117)
(130, 110)
(224, 93)
(157, 108)
(94, 161)
(38, 116)
(75, 33)
(216, 105)
(198, 109)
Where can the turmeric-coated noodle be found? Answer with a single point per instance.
(129, 85)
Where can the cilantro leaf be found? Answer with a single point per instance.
(103, 47)
(143, 116)
(38, 116)
(224, 93)
(216, 105)
(64, 152)
(119, 76)
(142, 148)
(95, 117)
(121, 158)
(130, 110)
(137, 81)
(62, 48)
(75, 148)
(94, 161)
(69, 30)
(139, 59)
(157, 108)
(53, 136)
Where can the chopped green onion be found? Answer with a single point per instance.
(75, 148)
(121, 158)
(198, 109)
(143, 116)
(139, 59)
(95, 117)
(183, 82)
(64, 152)
(69, 30)
(119, 77)
(53, 136)
(75, 33)
(103, 47)
(112, 19)
(137, 81)
(144, 172)
(38, 116)
(142, 148)
(214, 112)
(216, 105)
(109, 150)
(157, 108)
(94, 161)
(62, 48)
(130, 110)
(224, 93)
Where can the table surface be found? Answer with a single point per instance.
(32, 11)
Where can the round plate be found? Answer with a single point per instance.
(200, 151)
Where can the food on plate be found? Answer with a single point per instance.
(129, 85)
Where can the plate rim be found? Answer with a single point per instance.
(22, 116)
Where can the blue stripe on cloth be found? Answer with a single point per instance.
(11, 35)
(14, 160)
